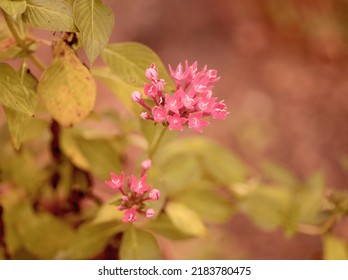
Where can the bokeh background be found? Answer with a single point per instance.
(284, 77)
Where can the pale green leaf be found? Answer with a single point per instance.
(41, 233)
(278, 174)
(219, 163)
(103, 156)
(68, 142)
(334, 248)
(108, 212)
(13, 93)
(95, 21)
(14, 8)
(207, 203)
(185, 219)
(21, 169)
(130, 60)
(137, 244)
(18, 121)
(50, 15)
(90, 240)
(163, 226)
(268, 207)
(180, 172)
(117, 86)
(67, 88)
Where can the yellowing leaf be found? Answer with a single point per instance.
(185, 219)
(163, 226)
(50, 15)
(14, 8)
(67, 88)
(95, 21)
(335, 248)
(13, 94)
(137, 244)
(130, 60)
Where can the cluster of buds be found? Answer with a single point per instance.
(191, 102)
(134, 193)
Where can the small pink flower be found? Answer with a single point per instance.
(154, 194)
(150, 213)
(188, 99)
(130, 215)
(159, 84)
(196, 122)
(152, 72)
(150, 90)
(139, 186)
(176, 122)
(173, 103)
(116, 182)
(159, 114)
(178, 75)
(219, 111)
(136, 96)
(206, 104)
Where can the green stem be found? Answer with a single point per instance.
(37, 62)
(13, 30)
(156, 143)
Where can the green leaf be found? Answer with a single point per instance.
(50, 15)
(108, 212)
(219, 163)
(95, 21)
(180, 172)
(18, 121)
(90, 240)
(334, 248)
(137, 244)
(185, 219)
(278, 174)
(21, 170)
(14, 8)
(67, 88)
(130, 60)
(102, 155)
(117, 86)
(69, 143)
(207, 203)
(41, 233)
(267, 206)
(13, 93)
(99, 155)
(163, 226)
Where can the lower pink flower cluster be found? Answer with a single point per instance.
(135, 192)
(191, 102)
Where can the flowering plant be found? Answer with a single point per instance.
(59, 152)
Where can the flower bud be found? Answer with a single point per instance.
(150, 213)
(136, 96)
(154, 194)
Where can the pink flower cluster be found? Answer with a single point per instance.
(134, 193)
(191, 102)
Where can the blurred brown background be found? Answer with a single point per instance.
(284, 76)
